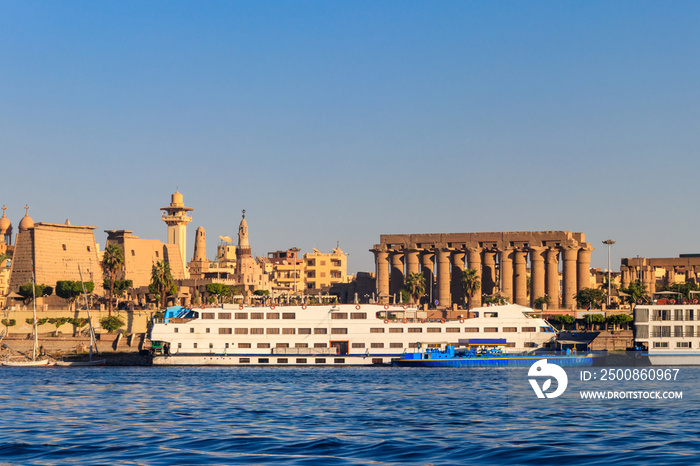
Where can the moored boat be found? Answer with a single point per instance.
(481, 352)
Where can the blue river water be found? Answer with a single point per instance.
(266, 415)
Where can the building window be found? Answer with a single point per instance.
(191, 329)
(133, 253)
(88, 248)
(64, 247)
(206, 331)
(157, 254)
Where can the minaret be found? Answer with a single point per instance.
(245, 263)
(176, 218)
(200, 245)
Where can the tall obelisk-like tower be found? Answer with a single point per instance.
(175, 216)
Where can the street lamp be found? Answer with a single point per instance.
(609, 242)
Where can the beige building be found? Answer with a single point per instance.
(55, 252)
(287, 274)
(501, 258)
(324, 270)
(141, 254)
(659, 272)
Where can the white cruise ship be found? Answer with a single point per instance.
(344, 334)
(670, 330)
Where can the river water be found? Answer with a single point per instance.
(266, 415)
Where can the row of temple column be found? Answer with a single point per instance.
(443, 267)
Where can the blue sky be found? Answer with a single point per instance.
(340, 121)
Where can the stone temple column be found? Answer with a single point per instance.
(537, 275)
(457, 269)
(625, 276)
(474, 259)
(507, 273)
(488, 278)
(443, 281)
(552, 277)
(583, 268)
(382, 262)
(570, 255)
(397, 281)
(427, 269)
(412, 261)
(520, 277)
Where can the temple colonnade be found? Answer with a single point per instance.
(501, 259)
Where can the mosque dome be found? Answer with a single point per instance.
(5, 224)
(26, 223)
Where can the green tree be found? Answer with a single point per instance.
(218, 289)
(592, 296)
(162, 282)
(58, 321)
(9, 322)
(683, 288)
(636, 291)
(471, 283)
(593, 319)
(119, 288)
(415, 285)
(617, 320)
(40, 290)
(112, 264)
(541, 301)
(111, 323)
(70, 290)
(561, 321)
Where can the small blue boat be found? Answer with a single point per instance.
(482, 352)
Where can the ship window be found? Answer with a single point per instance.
(244, 345)
(241, 331)
(682, 344)
(176, 330)
(528, 329)
(208, 315)
(377, 345)
(678, 314)
(257, 331)
(358, 345)
(689, 314)
(376, 330)
(490, 329)
(320, 360)
(257, 315)
(224, 315)
(358, 315)
(510, 344)
(226, 346)
(195, 345)
(339, 315)
(678, 331)
(320, 331)
(434, 330)
(288, 315)
(301, 360)
(179, 345)
(415, 330)
(263, 360)
(452, 330)
(395, 345)
(282, 361)
(301, 345)
(413, 345)
(282, 345)
(689, 331)
(513, 329)
(273, 315)
(288, 331)
(273, 331)
(211, 345)
(339, 361)
(241, 315)
(530, 344)
(377, 361)
(191, 329)
(471, 329)
(224, 331)
(206, 331)
(396, 330)
(244, 360)
(263, 345)
(660, 344)
(304, 331)
(320, 345)
(339, 331)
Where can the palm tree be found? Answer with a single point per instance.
(471, 283)
(161, 280)
(112, 264)
(415, 285)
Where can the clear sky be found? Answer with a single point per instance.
(335, 121)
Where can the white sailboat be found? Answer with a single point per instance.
(35, 349)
